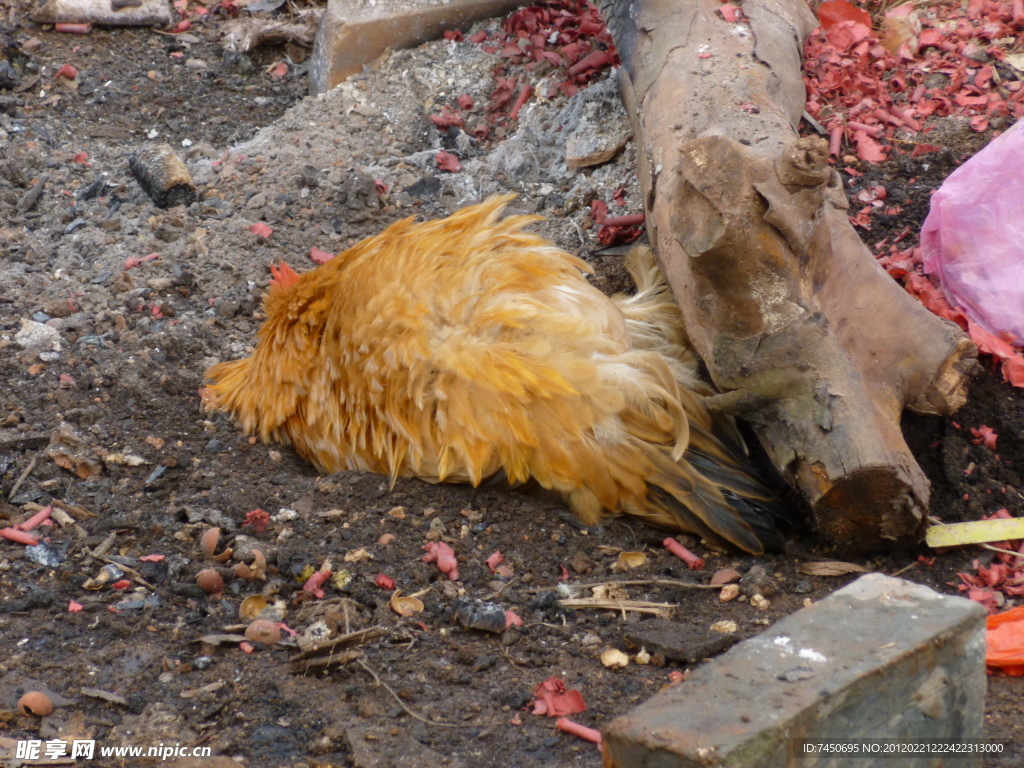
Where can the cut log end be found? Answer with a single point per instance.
(872, 508)
(948, 389)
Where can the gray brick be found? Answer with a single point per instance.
(355, 32)
(882, 658)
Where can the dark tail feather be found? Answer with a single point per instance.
(762, 516)
(680, 497)
(735, 480)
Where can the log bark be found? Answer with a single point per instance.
(803, 333)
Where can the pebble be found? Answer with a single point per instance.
(217, 445)
(36, 335)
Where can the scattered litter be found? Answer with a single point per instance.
(162, 175)
(263, 631)
(44, 554)
(725, 576)
(71, 15)
(315, 582)
(252, 606)
(319, 257)
(210, 581)
(35, 703)
(725, 627)
(405, 605)
(585, 733)
(553, 699)
(984, 436)
(107, 696)
(692, 561)
(971, 239)
(262, 229)
(1004, 642)
(442, 554)
(832, 568)
(494, 561)
(477, 614)
(19, 537)
(629, 560)
(662, 610)
(243, 35)
(976, 532)
(613, 658)
(446, 161)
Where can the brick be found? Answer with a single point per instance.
(881, 658)
(355, 32)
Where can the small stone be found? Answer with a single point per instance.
(757, 581)
(37, 336)
(725, 576)
(217, 445)
(613, 658)
(729, 593)
(760, 602)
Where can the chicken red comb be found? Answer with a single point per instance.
(283, 276)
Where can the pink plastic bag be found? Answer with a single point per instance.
(973, 238)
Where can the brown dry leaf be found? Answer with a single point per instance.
(832, 568)
(607, 550)
(405, 606)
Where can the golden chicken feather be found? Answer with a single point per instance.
(464, 348)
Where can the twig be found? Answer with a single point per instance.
(1003, 551)
(504, 586)
(23, 477)
(638, 606)
(126, 568)
(100, 549)
(359, 637)
(649, 582)
(408, 711)
(904, 569)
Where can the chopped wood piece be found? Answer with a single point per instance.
(803, 333)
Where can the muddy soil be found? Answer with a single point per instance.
(118, 384)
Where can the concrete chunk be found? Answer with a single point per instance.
(355, 32)
(880, 659)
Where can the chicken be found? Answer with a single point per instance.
(468, 348)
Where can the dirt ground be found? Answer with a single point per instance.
(154, 472)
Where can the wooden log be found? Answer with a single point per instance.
(803, 333)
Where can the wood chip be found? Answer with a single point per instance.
(221, 639)
(832, 568)
(113, 698)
